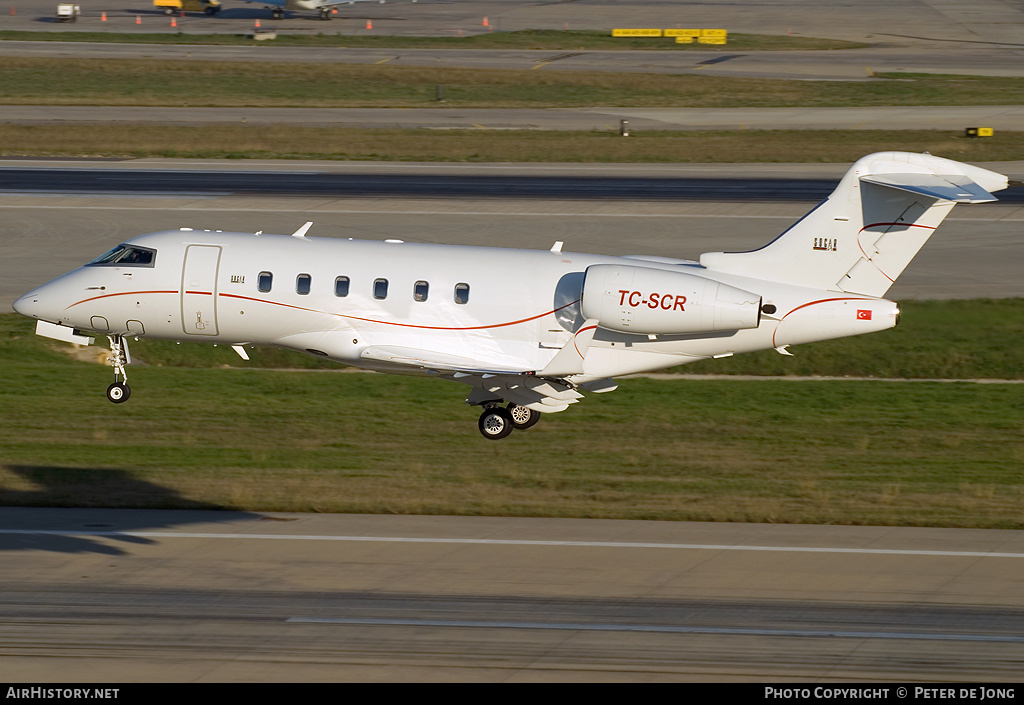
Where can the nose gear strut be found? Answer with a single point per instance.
(119, 391)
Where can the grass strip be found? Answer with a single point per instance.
(552, 40)
(426, 145)
(79, 81)
(887, 453)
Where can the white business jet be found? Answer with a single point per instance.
(324, 7)
(528, 331)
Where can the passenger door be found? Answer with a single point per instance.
(199, 290)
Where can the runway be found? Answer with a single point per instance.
(929, 36)
(136, 596)
(936, 23)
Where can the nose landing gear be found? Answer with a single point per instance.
(119, 391)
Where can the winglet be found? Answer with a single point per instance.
(301, 232)
(569, 360)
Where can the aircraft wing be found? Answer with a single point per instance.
(438, 361)
(489, 381)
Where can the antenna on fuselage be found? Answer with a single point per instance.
(301, 232)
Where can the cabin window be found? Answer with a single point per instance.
(302, 283)
(380, 288)
(127, 256)
(266, 281)
(462, 293)
(341, 286)
(419, 291)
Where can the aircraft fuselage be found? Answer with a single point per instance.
(337, 297)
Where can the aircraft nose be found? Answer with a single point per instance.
(28, 305)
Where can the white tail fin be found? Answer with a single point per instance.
(863, 235)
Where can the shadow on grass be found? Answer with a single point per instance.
(69, 506)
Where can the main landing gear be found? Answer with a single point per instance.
(119, 391)
(497, 422)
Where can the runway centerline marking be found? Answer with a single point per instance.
(511, 542)
(657, 628)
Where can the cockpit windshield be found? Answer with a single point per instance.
(126, 256)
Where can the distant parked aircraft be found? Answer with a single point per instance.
(323, 6)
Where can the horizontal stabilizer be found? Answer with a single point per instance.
(431, 360)
(958, 189)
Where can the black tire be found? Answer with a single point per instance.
(118, 392)
(211, 10)
(168, 11)
(522, 418)
(495, 423)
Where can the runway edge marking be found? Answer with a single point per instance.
(512, 542)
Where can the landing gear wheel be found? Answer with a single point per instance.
(496, 423)
(325, 14)
(118, 392)
(523, 418)
(277, 14)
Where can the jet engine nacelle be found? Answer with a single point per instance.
(650, 301)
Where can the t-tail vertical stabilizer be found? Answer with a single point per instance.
(865, 233)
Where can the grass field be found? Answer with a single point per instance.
(242, 142)
(46, 81)
(81, 81)
(920, 453)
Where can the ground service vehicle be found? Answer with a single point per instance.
(170, 7)
(68, 12)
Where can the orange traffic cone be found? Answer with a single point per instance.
(174, 22)
(369, 24)
(257, 23)
(103, 17)
(485, 22)
(138, 19)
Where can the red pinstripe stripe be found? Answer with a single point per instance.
(574, 340)
(123, 293)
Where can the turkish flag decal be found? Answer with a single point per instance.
(863, 315)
